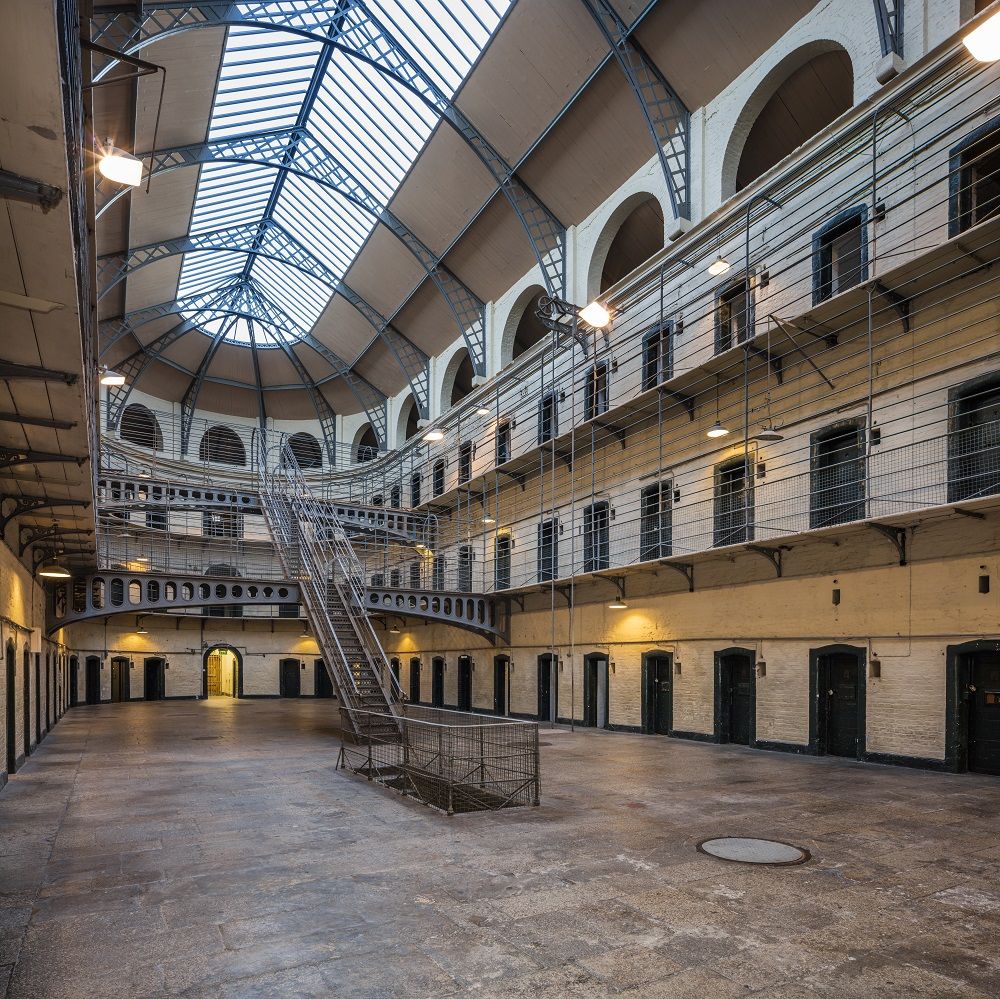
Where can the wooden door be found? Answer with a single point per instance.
(659, 694)
(740, 673)
(500, 664)
(289, 682)
(842, 705)
(984, 713)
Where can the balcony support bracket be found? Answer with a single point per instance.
(897, 535)
(686, 569)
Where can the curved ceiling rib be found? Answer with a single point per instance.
(313, 162)
(348, 26)
(240, 300)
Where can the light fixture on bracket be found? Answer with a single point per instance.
(434, 435)
(393, 627)
(595, 315)
(619, 602)
(111, 377)
(483, 411)
(717, 429)
(53, 569)
(120, 166)
(139, 629)
(983, 42)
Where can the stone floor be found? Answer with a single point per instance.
(212, 849)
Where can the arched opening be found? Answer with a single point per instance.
(222, 446)
(457, 382)
(222, 672)
(632, 234)
(639, 236)
(409, 414)
(799, 97)
(139, 426)
(523, 328)
(365, 444)
(306, 449)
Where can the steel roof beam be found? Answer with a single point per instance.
(668, 120)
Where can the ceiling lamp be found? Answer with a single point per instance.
(719, 266)
(54, 569)
(984, 42)
(595, 315)
(769, 435)
(489, 520)
(393, 629)
(110, 377)
(717, 429)
(619, 602)
(432, 436)
(484, 411)
(120, 166)
(141, 630)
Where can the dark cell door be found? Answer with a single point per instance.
(547, 691)
(11, 709)
(74, 669)
(659, 695)
(289, 679)
(500, 685)
(595, 691)
(154, 680)
(842, 705)
(119, 679)
(93, 687)
(414, 681)
(38, 695)
(26, 717)
(984, 713)
(437, 683)
(323, 685)
(739, 671)
(464, 683)
(396, 685)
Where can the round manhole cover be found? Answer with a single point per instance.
(742, 850)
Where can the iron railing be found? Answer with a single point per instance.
(454, 761)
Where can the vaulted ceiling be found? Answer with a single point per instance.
(296, 176)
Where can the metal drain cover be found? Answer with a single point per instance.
(742, 850)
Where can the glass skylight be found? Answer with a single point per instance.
(365, 121)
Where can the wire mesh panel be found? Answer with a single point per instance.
(451, 760)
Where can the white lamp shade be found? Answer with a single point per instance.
(595, 315)
(717, 430)
(984, 41)
(109, 377)
(719, 266)
(120, 166)
(54, 570)
(434, 435)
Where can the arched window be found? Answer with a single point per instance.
(221, 446)
(809, 97)
(457, 381)
(366, 448)
(306, 449)
(639, 236)
(139, 426)
(409, 414)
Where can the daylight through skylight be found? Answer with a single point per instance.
(360, 119)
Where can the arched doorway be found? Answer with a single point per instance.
(92, 684)
(289, 678)
(11, 702)
(837, 698)
(736, 696)
(657, 693)
(221, 672)
(74, 671)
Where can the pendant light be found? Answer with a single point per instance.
(111, 377)
(53, 569)
(717, 429)
(120, 166)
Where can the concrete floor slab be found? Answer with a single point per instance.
(215, 850)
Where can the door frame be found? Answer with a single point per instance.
(281, 672)
(501, 667)
(956, 731)
(162, 679)
(26, 659)
(647, 701)
(815, 746)
(86, 679)
(438, 666)
(73, 680)
(10, 661)
(721, 732)
(551, 660)
(596, 657)
(222, 647)
(464, 666)
(416, 668)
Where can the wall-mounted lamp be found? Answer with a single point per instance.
(761, 668)
(984, 42)
(139, 628)
(120, 166)
(110, 377)
(595, 315)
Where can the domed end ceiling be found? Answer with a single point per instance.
(319, 112)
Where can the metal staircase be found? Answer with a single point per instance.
(315, 552)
